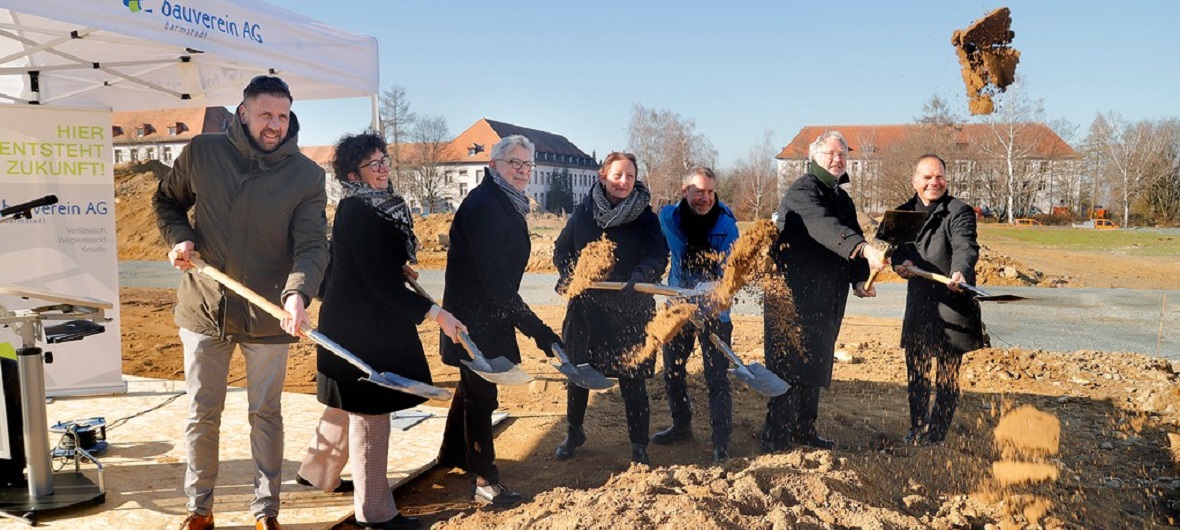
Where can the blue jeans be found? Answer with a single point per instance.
(206, 369)
(676, 354)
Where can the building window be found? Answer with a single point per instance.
(118, 156)
(463, 173)
(479, 174)
(171, 130)
(448, 176)
(139, 131)
(462, 189)
(151, 153)
(134, 154)
(167, 153)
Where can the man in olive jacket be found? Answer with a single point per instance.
(258, 215)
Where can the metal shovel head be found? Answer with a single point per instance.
(900, 226)
(984, 296)
(584, 376)
(761, 379)
(502, 371)
(406, 385)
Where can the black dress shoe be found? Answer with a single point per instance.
(346, 486)
(398, 521)
(496, 495)
(916, 436)
(573, 440)
(639, 454)
(720, 454)
(673, 434)
(813, 439)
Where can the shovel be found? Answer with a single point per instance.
(386, 379)
(975, 292)
(583, 374)
(757, 376)
(898, 227)
(498, 370)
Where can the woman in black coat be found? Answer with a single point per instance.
(602, 327)
(368, 310)
(489, 250)
(820, 253)
(941, 321)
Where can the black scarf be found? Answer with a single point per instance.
(389, 205)
(608, 215)
(696, 230)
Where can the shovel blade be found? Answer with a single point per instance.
(406, 385)
(761, 379)
(585, 376)
(510, 376)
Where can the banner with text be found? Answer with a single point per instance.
(68, 247)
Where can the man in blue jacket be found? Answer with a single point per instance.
(700, 233)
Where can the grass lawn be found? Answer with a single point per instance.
(1135, 242)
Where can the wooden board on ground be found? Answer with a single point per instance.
(145, 461)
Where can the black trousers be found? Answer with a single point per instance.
(934, 421)
(467, 438)
(635, 403)
(790, 416)
(676, 353)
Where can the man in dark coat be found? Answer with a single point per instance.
(941, 322)
(820, 252)
(489, 250)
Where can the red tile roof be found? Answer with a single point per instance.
(884, 137)
(193, 120)
(486, 133)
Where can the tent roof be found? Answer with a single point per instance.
(144, 54)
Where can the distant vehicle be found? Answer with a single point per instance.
(1100, 224)
(1027, 222)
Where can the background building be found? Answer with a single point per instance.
(161, 134)
(981, 161)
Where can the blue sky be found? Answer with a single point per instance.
(740, 68)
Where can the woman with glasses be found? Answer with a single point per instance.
(489, 250)
(369, 310)
(820, 254)
(606, 328)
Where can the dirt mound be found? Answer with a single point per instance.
(795, 490)
(135, 220)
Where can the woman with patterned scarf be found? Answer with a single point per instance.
(603, 327)
(368, 309)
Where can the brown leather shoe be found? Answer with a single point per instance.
(267, 523)
(197, 522)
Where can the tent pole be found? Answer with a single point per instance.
(377, 115)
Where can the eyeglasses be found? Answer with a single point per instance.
(266, 84)
(834, 154)
(517, 164)
(376, 165)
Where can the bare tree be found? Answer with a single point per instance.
(1131, 155)
(428, 182)
(396, 122)
(1015, 131)
(667, 146)
(1065, 182)
(1161, 200)
(754, 181)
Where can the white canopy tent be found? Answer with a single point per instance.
(65, 65)
(145, 54)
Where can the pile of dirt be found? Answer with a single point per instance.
(135, 219)
(988, 63)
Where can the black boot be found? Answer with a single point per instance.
(720, 453)
(639, 454)
(573, 440)
(673, 434)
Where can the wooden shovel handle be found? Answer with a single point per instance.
(929, 275)
(245, 292)
(646, 288)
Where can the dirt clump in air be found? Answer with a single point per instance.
(667, 322)
(988, 63)
(747, 258)
(1027, 439)
(595, 262)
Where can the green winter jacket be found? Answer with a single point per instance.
(258, 217)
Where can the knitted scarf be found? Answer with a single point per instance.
(388, 205)
(608, 215)
(519, 200)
